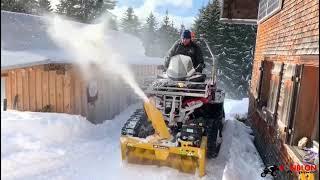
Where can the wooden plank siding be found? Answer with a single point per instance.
(67, 103)
(45, 88)
(77, 95)
(32, 89)
(13, 79)
(52, 90)
(36, 88)
(19, 90)
(8, 91)
(59, 92)
(83, 96)
(38, 85)
(65, 90)
(25, 86)
(71, 75)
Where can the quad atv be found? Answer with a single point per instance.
(180, 123)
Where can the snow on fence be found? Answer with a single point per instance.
(61, 88)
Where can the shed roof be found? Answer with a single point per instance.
(25, 42)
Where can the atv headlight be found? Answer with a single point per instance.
(181, 85)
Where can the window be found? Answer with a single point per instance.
(267, 8)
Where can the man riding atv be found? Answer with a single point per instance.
(187, 47)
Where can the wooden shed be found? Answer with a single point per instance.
(52, 86)
(284, 91)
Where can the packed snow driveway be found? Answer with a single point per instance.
(61, 146)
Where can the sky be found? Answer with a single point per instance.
(180, 11)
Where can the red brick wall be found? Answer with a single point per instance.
(292, 31)
(288, 34)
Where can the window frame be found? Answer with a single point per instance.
(268, 15)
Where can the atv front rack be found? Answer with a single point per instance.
(180, 88)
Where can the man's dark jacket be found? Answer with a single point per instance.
(192, 50)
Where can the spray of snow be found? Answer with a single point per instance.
(89, 46)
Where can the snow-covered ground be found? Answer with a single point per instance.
(61, 146)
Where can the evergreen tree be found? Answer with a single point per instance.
(100, 7)
(149, 36)
(166, 19)
(130, 22)
(232, 45)
(68, 8)
(31, 6)
(8, 5)
(84, 11)
(23, 6)
(45, 6)
(168, 35)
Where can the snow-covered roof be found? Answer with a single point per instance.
(21, 59)
(25, 42)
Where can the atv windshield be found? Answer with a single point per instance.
(180, 67)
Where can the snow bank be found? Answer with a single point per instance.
(31, 130)
(241, 157)
(61, 146)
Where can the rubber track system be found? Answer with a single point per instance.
(138, 125)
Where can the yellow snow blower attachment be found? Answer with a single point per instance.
(157, 149)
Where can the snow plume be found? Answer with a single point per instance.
(88, 45)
